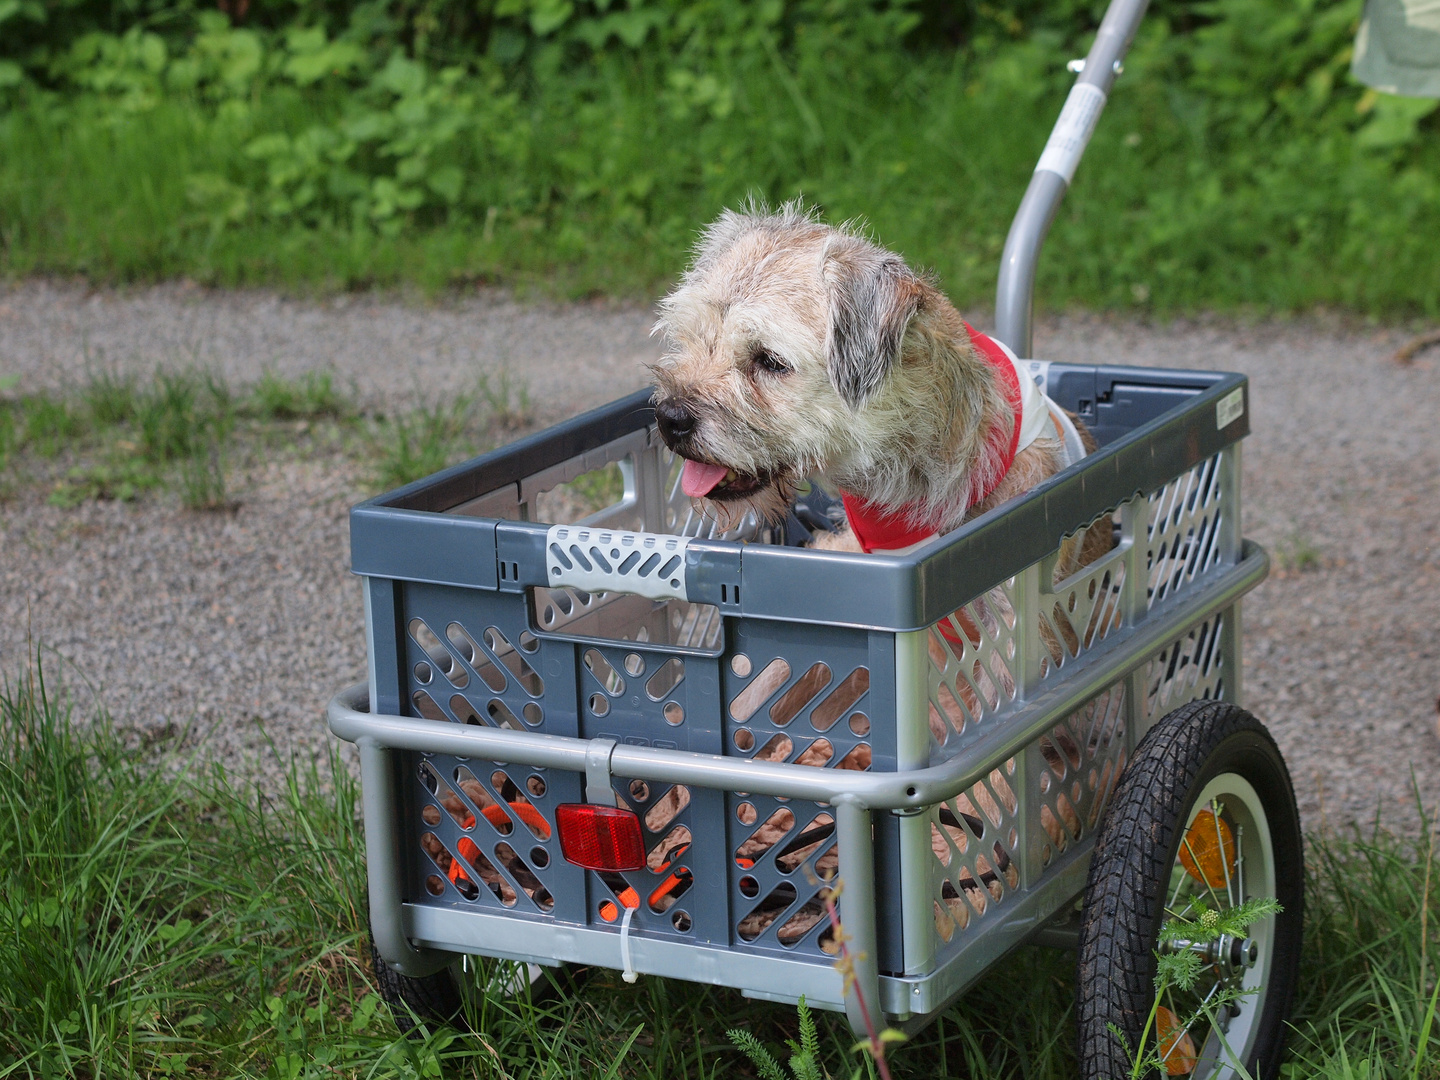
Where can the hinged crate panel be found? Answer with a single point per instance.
(564, 585)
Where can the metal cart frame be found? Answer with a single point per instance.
(1003, 699)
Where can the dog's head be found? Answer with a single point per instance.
(779, 337)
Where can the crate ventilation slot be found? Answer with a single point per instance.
(607, 560)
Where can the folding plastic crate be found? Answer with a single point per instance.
(554, 622)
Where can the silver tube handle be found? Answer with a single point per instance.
(1015, 292)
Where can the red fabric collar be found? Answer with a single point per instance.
(879, 529)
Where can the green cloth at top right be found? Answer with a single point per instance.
(1398, 47)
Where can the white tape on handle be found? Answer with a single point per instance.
(1072, 131)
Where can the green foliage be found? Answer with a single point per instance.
(1204, 923)
(111, 398)
(48, 422)
(182, 430)
(123, 480)
(202, 470)
(150, 923)
(7, 434)
(507, 399)
(424, 440)
(167, 417)
(580, 144)
(311, 396)
(166, 921)
(414, 445)
(1367, 1000)
(1181, 969)
(805, 1059)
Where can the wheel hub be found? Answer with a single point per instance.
(1230, 956)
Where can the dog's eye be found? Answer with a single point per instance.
(765, 360)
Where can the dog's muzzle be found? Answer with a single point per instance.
(676, 423)
(706, 479)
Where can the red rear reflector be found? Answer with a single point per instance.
(600, 837)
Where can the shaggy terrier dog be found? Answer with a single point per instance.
(795, 349)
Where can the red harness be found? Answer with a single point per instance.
(878, 529)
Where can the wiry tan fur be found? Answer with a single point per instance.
(909, 429)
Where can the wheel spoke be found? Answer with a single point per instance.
(1181, 878)
(1220, 842)
(1240, 860)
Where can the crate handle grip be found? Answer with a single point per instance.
(615, 560)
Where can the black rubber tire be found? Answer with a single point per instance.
(433, 1000)
(437, 1000)
(1138, 844)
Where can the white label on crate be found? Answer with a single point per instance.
(1229, 409)
(1073, 130)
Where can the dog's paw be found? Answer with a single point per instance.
(841, 540)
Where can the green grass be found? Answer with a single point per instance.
(120, 437)
(311, 396)
(421, 442)
(157, 922)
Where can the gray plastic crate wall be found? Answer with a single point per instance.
(1036, 811)
(746, 871)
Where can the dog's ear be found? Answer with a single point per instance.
(873, 296)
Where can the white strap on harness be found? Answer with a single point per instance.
(1073, 447)
(1036, 411)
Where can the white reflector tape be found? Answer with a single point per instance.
(1072, 131)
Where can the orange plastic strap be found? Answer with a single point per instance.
(470, 852)
(532, 818)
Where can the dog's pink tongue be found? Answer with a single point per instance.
(699, 479)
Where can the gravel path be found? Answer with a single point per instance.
(239, 626)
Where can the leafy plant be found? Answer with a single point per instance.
(578, 146)
(805, 1061)
(1180, 969)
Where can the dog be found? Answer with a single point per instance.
(794, 349)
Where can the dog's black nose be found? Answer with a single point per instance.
(675, 420)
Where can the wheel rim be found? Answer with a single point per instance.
(1228, 802)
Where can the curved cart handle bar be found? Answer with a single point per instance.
(1015, 293)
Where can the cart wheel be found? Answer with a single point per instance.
(438, 1000)
(432, 1000)
(1204, 814)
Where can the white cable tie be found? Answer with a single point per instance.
(629, 974)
